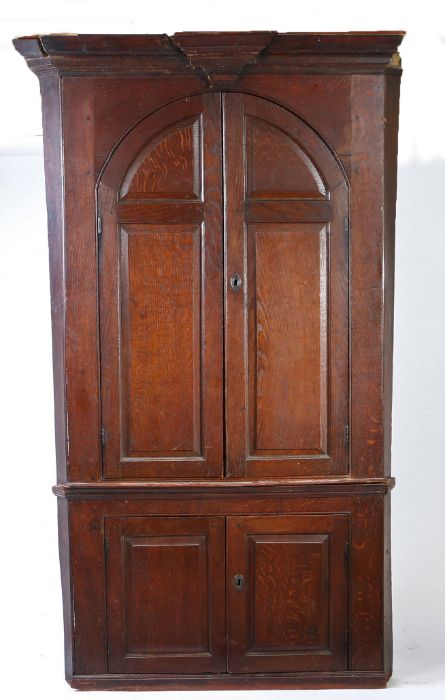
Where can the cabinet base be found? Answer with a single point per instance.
(230, 681)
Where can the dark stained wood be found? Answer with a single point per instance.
(65, 574)
(391, 97)
(170, 166)
(236, 488)
(160, 318)
(160, 340)
(230, 681)
(205, 430)
(339, 52)
(81, 312)
(213, 54)
(165, 594)
(288, 298)
(283, 211)
(367, 604)
(51, 116)
(140, 211)
(367, 276)
(277, 167)
(292, 613)
(293, 306)
(366, 556)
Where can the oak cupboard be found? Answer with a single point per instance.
(221, 212)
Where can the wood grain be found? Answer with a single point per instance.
(292, 614)
(276, 165)
(160, 340)
(170, 166)
(288, 339)
(287, 352)
(165, 594)
(161, 307)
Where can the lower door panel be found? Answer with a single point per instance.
(165, 594)
(288, 593)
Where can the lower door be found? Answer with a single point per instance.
(165, 594)
(288, 593)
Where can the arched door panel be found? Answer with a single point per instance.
(286, 321)
(161, 296)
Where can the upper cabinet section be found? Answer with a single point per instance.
(287, 372)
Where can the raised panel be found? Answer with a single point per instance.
(277, 167)
(289, 607)
(156, 623)
(292, 613)
(160, 291)
(165, 593)
(169, 166)
(288, 311)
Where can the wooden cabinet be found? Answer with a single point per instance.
(221, 225)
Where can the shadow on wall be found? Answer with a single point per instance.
(419, 368)
(418, 422)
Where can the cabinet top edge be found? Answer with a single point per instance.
(353, 42)
(219, 58)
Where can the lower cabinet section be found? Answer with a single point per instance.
(246, 588)
(287, 593)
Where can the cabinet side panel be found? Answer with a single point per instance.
(81, 280)
(367, 323)
(65, 572)
(88, 589)
(367, 585)
(387, 589)
(392, 89)
(52, 141)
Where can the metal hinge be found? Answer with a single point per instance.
(99, 230)
(346, 432)
(346, 552)
(346, 225)
(102, 437)
(106, 545)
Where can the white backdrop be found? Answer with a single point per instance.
(31, 614)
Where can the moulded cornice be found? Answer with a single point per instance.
(219, 58)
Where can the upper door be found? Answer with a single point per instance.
(286, 314)
(161, 296)
(259, 291)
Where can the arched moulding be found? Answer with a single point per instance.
(169, 165)
(277, 166)
(160, 157)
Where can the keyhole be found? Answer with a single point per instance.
(235, 282)
(238, 582)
